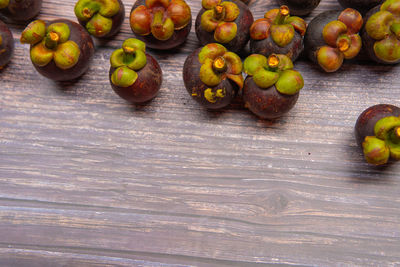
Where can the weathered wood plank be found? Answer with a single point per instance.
(87, 179)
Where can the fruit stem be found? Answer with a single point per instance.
(282, 15)
(343, 43)
(129, 50)
(219, 12)
(219, 65)
(395, 28)
(51, 40)
(87, 12)
(273, 61)
(158, 18)
(395, 135)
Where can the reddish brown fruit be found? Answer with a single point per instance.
(272, 87)
(101, 19)
(226, 22)
(213, 75)
(20, 10)
(332, 36)
(381, 33)
(377, 132)
(63, 56)
(278, 33)
(161, 24)
(134, 75)
(6, 44)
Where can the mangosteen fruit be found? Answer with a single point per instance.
(272, 87)
(20, 10)
(101, 18)
(278, 33)
(161, 24)
(60, 49)
(377, 132)
(6, 44)
(300, 7)
(360, 5)
(332, 36)
(213, 75)
(226, 22)
(134, 75)
(381, 33)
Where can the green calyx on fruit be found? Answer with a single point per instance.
(275, 70)
(384, 27)
(219, 18)
(97, 14)
(386, 142)
(51, 43)
(127, 60)
(342, 40)
(217, 64)
(278, 24)
(4, 3)
(160, 18)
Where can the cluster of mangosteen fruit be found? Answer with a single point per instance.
(213, 74)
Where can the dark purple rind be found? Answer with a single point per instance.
(178, 37)
(193, 84)
(7, 45)
(300, 7)
(243, 22)
(267, 47)
(117, 21)
(360, 5)
(313, 39)
(145, 87)
(22, 10)
(80, 36)
(267, 103)
(368, 118)
(368, 42)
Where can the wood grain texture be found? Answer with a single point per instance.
(89, 180)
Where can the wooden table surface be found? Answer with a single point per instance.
(87, 179)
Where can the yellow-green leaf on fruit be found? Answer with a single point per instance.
(264, 78)
(207, 21)
(138, 62)
(290, 82)
(253, 63)
(134, 43)
(225, 32)
(384, 125)
(283, 34)
(375, 150)
(61, 29)
(41, 55)
(232, 11)
(208, 76)
(99, 25)
(67, 55)
(34, 32)
(236, 78)
(124, 77)
(211, 51)
(378, 24)
(388, 49)
(234, 62)
(285, 63)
